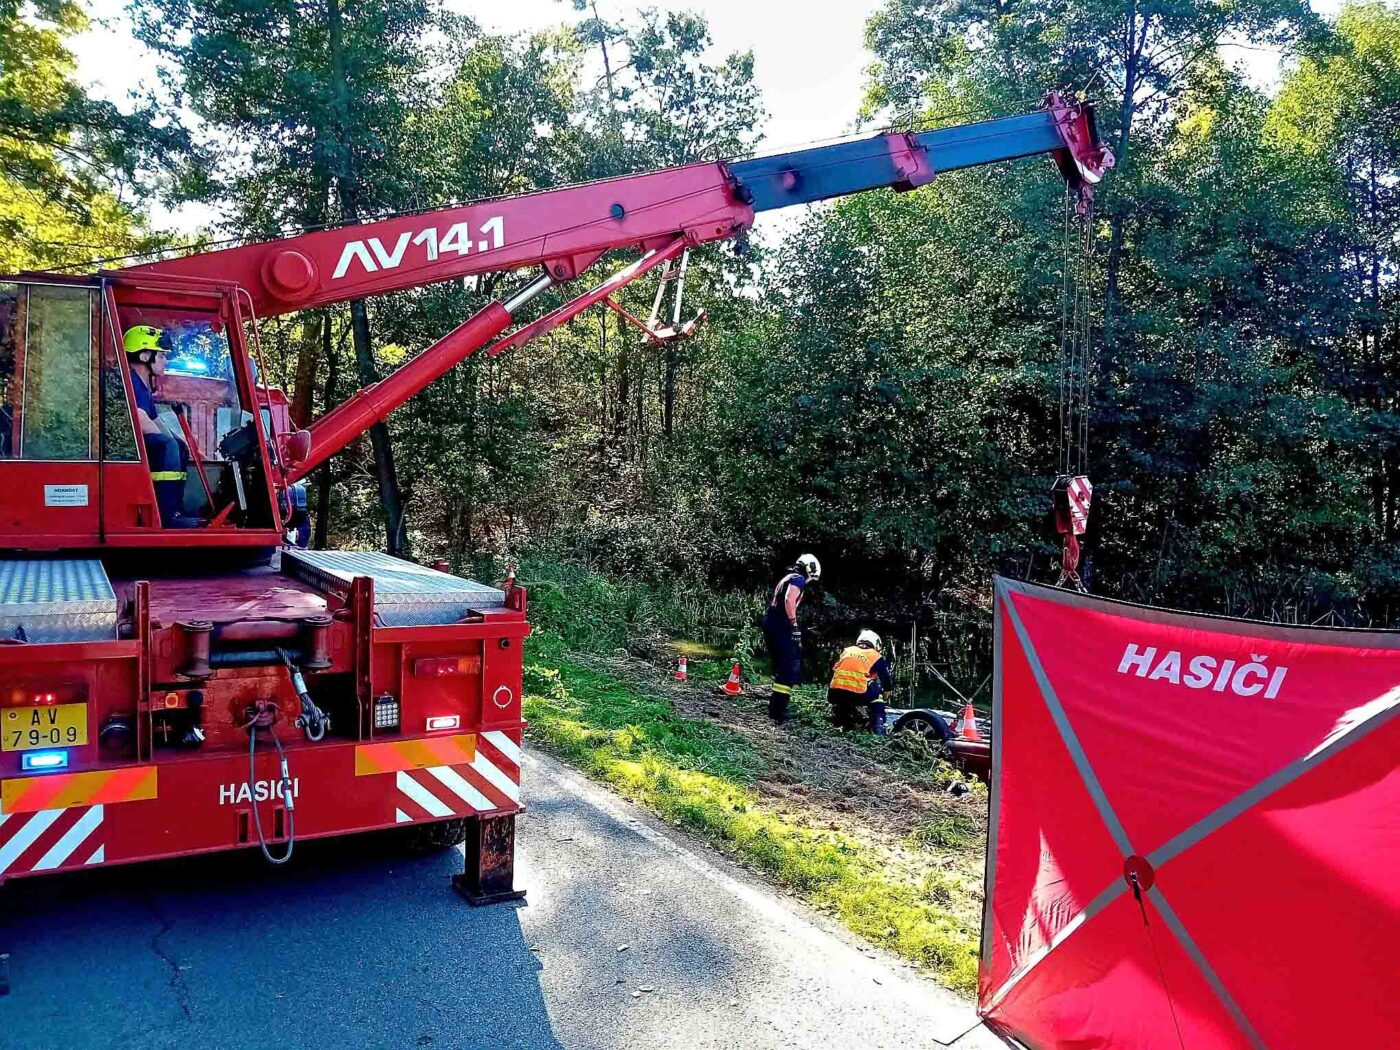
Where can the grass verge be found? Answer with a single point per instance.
(705, 778)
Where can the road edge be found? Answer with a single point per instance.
(961, 1027)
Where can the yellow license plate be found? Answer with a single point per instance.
(57, 725)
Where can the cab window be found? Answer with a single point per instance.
(118, 430)
(46, 379)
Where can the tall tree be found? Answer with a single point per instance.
(70, 164)
(658, 98)
(1339, 114)
(314, 97)
(1137, 54)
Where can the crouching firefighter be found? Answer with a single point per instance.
(861, 677)
(166, 452)
(782, 635)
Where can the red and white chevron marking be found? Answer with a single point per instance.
(51, 838)
(1080, 495)
(491, 782)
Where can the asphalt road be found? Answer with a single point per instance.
(355, 945)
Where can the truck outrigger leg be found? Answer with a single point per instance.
(489, 877)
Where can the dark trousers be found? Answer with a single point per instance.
(169, 461)
(785, 654)
(856, 711)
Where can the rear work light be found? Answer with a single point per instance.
(444, 722)
(43, 761)
(445, 666)
(386, 712)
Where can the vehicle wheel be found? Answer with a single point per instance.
(437, 836)
(928, 727)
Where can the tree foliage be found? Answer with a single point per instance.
(70, 164)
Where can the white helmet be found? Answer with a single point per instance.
(811, 568)
(870, 638)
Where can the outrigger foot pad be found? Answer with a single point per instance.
(477, 899)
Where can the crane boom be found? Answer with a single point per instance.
(566, 230)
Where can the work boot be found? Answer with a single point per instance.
(170, 498)
(778, 707)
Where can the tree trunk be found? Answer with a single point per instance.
(384, 470)
(348, 191)
(668, 403)
(323, 476)
(305, 379)
(466, 543)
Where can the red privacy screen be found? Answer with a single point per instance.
(1195, 830)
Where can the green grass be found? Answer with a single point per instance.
(700, 777)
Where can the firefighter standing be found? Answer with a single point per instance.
(783, 636)
(860, 678)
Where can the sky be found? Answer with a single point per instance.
(809, 66)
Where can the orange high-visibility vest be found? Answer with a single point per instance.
(853, 672)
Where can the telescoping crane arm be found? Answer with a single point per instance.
(566, 230)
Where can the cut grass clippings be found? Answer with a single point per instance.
(700, 777)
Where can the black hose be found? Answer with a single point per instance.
(285, 784)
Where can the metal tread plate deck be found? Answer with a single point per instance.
(405, 594)
(57, 600)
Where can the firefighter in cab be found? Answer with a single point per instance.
(782, 635)
(861, 677)
(166, 451)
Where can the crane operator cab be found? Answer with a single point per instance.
(132, 416)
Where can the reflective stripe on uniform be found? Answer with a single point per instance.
(167, 475)
(852, 673)
(778, 687)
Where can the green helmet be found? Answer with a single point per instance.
(144, 337)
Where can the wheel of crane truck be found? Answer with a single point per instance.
(435, 837)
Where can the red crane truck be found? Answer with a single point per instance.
(172, 691)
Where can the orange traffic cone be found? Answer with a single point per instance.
(732, 687)
(968, 724)
(680, 671)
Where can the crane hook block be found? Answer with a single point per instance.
(1072, 494)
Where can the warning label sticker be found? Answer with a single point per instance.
(65, 495)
